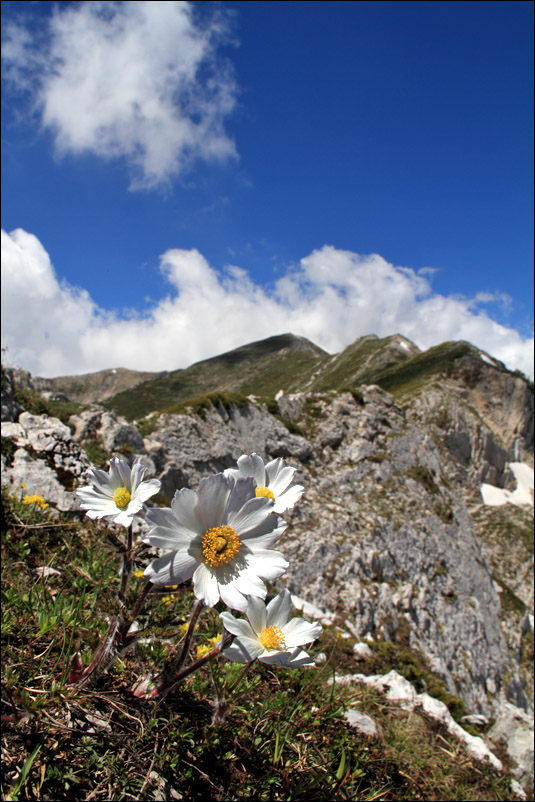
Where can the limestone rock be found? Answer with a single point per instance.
(46, 459)
(514, 730)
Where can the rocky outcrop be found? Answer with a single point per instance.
(113, 432)
(44, 460)
(187, 447)
(502, 399)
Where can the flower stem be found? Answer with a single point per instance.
(127, 565)
(220, 703)
(173, 679)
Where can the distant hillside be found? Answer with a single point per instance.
(86, 388)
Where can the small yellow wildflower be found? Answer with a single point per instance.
(183, 628)
(169, 599)
(207, 647)
(23, 484)
(137, 574)
(169, 587)
(35, 500)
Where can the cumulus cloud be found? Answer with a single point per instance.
(331, 297)
(138, 79)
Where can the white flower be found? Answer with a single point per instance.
(273, 480)
(268, 635)
(119, 494)
(221, 535)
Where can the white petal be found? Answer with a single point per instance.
(101, 479)
(250, 585)
(279, 609)
(279, 476)
(162, 538)
(254, 518)
(119, 473)
(147, 489)
(266, 563)
(253, 466)
(288, 499)
(171, 569)
(166, 526)
(124, 518)
(205, 585)
(298, 659)
(298, 631)
(256, 613)
(232, 596)
(243, 490)
(265, 536)
(212, 493)
(243, 650)
(273, 658)
(161, 516)
(237, 626)
(184, 506)
(136, 475)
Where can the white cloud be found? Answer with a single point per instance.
(137, 79)
(332, 297)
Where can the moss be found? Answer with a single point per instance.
(292, 427)
(358, 397)
(8, 450)
(148, 425)
(526, 650)
(200, 405)
(509, 600)
(96, 452)
(444, 511)
(425, 477)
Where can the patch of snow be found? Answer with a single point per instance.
(486, 358)
(523, 493)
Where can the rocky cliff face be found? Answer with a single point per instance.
(391, 536)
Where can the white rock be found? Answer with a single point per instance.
(361, 722)
(362, 651)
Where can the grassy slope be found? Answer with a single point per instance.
(284, 737)
(360, 363)
(262, 368)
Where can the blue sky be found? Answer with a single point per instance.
(183, 178)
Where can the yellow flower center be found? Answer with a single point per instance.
(272, 638)
(121, 497)
(265, 492)
(219, 545)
